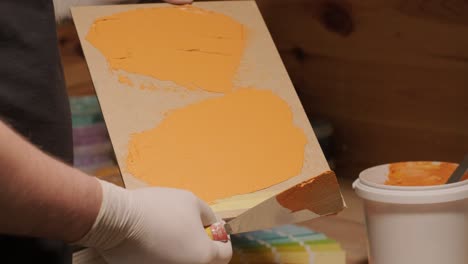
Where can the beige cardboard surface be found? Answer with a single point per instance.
(127, 110)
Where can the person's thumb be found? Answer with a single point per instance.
(207, 215)
(223, 252)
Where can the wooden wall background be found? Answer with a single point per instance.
(390, 75)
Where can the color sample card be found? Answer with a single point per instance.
(286, 244)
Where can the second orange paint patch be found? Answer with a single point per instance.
(239, 143)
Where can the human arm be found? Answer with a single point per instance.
(44, 197)
(41, 196)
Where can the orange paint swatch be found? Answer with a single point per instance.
(239, 143)
(192, 47)
(309, 195)
(420, 173)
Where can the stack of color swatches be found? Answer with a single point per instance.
(286, 244)
(91, 143)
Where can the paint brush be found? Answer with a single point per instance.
(318, 196)
(459, 171)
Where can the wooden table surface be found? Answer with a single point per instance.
(347, 228)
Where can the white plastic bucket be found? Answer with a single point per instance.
(412, 225)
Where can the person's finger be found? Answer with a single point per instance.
(223, 252)
(207, 215)
(179, 2)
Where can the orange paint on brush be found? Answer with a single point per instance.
(420, 173)
(193, 47)
(320, 195)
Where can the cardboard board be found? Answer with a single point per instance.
(127, 110)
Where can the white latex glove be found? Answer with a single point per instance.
(154, 225)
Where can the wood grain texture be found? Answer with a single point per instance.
(392, 76)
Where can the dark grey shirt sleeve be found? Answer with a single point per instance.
(34, 102)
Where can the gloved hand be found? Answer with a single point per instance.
(154, 225)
